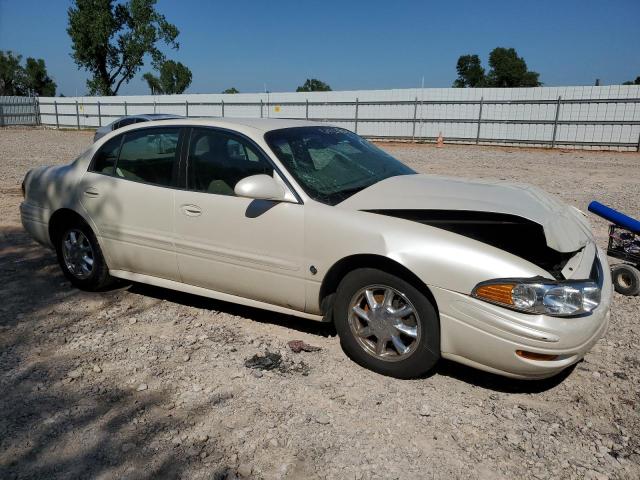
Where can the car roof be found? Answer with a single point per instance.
(153, 116)
(146, 116)
(260, 124)
(160, 115)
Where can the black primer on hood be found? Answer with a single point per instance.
(513, 234)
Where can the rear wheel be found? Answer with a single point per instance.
(386, 324)
(626, 279)
(80, 257)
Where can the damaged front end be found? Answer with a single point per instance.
(577, 278)
(513, 234)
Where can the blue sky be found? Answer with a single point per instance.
(355, 44)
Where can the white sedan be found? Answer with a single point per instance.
(314, 221)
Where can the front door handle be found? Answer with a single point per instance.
(191, 210)
(91, 192)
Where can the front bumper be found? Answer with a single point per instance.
(486, 336)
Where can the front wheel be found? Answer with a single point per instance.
(386, 324)
(80, 257)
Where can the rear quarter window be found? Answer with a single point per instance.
(105, 160)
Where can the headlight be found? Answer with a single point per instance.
(541, 296)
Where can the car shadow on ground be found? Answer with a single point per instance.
(498, 383)
(59, 418)
(255, 314)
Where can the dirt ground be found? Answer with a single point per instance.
(142, 382)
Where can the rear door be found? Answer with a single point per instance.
(244, 247)
(129, 194)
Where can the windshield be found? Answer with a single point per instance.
(330, 163)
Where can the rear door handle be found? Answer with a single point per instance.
(191, 210)
(91, 192)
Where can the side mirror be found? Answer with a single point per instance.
(259, 187)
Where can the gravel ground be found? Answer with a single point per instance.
(141, 382)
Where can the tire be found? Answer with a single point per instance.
(416, 348)
(70, 258)
(626, 279)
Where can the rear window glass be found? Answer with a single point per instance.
(124, 122)
(148, 155)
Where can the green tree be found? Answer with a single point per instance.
(634, 82)
(11, 74)
(32, 79)
(507, 70)
(470, 72)
(174, 78)
(153, 82)
(37, 79)
(314, 85)
(510, 70)
(231, 90)
(110, 40)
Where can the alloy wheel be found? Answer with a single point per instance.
(384, 322)
(77, 254)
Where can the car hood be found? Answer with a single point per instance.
(564, 230)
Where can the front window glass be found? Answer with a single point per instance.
(218, 160)
(330, 163)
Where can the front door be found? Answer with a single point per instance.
(128, 193)
(249, 248)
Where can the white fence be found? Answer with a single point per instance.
(598, 117)
(18, 110)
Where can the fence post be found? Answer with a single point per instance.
(222, 105)
(555, 122)
(99, 115)
(356, 119)
(186, 108)
(415, 115)
(154, 106)
(638, 147)
(36, 102)
(261, 105)
(127, 113)
(55, 104)
(1, 115)
(479, 121)
(77, 115)
(306, 111)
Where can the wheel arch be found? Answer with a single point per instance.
(62, 217)
(342, 267)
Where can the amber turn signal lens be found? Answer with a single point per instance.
(497, 292)
(535, 356)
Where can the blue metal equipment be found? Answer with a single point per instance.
(624, 244)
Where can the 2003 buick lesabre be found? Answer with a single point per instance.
(312, 220)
